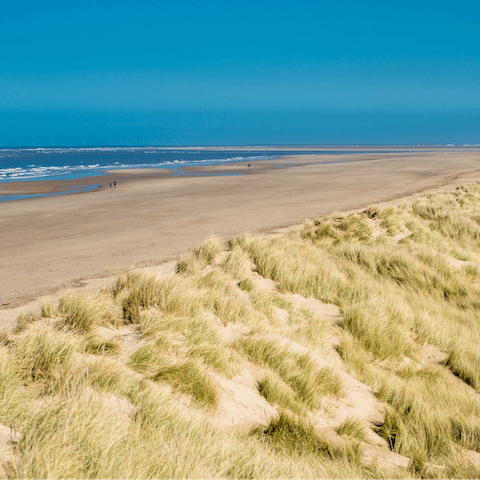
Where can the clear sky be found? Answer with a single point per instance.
(239, 72)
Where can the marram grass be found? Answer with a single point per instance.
(142, 401)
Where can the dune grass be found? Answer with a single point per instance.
(202, 255)
(277, 392)
(309, 381)
(83, 312)
(42, 352)
(289, 434)
(189, 379)
(100, 346)
(352, 427)
(128, 382)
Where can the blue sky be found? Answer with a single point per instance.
(239, 72)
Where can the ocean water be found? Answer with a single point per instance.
(37, 164)
(66, 163)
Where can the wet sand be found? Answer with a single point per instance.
(76, 185)
(51, 242)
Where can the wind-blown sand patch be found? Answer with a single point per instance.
(9, 439)
(324, 310)
(241, 406)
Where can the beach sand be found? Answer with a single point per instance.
(76, 185)
(52, 242)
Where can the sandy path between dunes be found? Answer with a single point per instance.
(48, 243)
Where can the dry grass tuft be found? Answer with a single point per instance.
(352, 427)
(200, 256)
(42, 352)
(309, 381)
(191, 380)
(83, 312)
(24, 320)
(291, 435)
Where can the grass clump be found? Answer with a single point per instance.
(209, 249)
(194, 337)
(83, 312)
(98, 346)
(352, 427)
(104, 374)
(84, 434)
(277, 392)
(24, 320)
(237, 263)
(200, 256)
(190, 380)
(309, 329)
(48, 309)
(298, 370)
(137, 292)
(465, 363)
(294, 436)
(148, 359)
(297, 267)
(13, 395)
(246, 284)
(338, 228)
(373, 321)
(42, 352)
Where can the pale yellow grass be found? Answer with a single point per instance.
(128, 382)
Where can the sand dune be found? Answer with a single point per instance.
(343, 348)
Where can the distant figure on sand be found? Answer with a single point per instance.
(115, 184)
(110, 184)
(248, 164)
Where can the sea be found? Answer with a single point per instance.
(39, 164)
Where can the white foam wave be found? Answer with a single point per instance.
(32, 172)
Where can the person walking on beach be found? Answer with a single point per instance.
(110, 184)
(115, 184)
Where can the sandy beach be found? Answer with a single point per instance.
(52, 242)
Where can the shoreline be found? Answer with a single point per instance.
(29, 189)
(49, 187)
(55, 242)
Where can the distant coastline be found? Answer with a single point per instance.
(33, 172)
